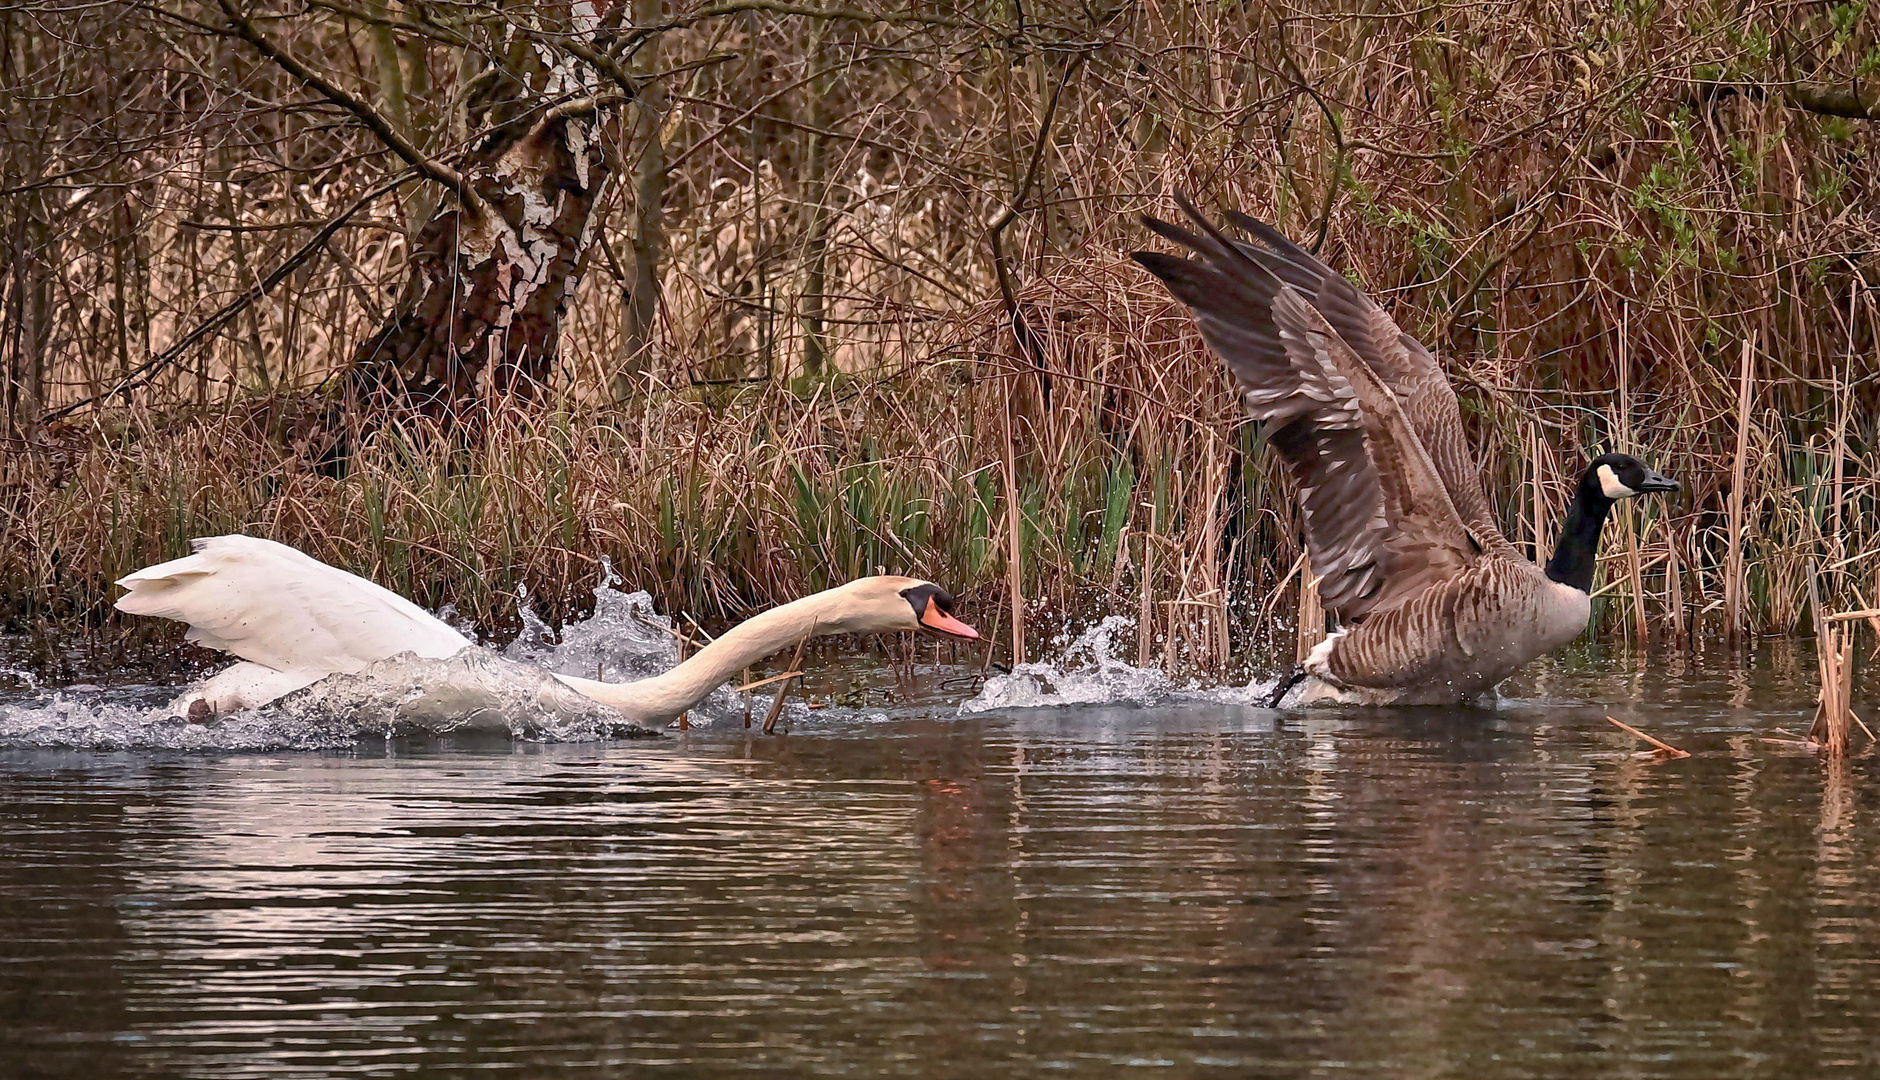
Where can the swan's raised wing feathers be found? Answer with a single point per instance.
(272, 605)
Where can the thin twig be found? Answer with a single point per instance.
(395, 141)
(143, 373)
(1659, 743)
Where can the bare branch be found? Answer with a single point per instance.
(425, 165)
(778, 7)
(148, 370)
(1855, 103)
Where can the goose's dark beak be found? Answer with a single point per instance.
(941, 623)
(1658, 482)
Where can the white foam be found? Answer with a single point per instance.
(1089, 672)
(622, 641)
(478, 690)
(402, 696)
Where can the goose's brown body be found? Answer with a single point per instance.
(1436, 605)
(1452, 642)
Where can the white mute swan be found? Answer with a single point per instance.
(293, 620)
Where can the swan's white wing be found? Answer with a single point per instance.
(272, 605)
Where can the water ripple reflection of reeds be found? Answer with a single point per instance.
(1192, 887)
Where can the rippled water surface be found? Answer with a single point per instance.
(1192, 887)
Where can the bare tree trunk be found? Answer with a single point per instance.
(257, 353)
(649, 214)
(490, 278)
(816, 200)
(27, 316)
(388, 60)
(13, 393)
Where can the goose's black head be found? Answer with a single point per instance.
(1609, 478)
(1621, 476)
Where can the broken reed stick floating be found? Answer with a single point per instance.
(1868, 612)
(749, 686)
(783, 692)
(1663, 747)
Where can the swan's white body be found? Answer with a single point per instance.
(294, 620)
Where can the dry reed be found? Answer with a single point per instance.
(1834, 716)
(836, 382)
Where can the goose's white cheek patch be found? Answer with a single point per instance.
(1610, 483)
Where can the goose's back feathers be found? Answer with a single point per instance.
(273, 606)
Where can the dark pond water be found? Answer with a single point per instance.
(1187, 889)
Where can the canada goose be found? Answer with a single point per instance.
(293, 620)
(1434, 605)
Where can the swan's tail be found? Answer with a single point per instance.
(156, 590)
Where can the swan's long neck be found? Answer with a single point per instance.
(663, 697)
(1577, 553)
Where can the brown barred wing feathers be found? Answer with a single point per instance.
(1399, 360)
(1380, 525)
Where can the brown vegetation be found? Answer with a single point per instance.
(759, 294)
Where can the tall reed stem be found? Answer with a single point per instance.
(1733, 565)
(1311, 613)
(1014, 555)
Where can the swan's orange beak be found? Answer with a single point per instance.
(940, 622)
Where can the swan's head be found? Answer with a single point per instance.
(887, 605)
(1621, 476)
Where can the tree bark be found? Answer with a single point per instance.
(649, 216)
(816, 203)
(490, 277)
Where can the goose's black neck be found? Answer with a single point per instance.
(1578, 550)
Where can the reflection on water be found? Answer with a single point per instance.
(1190, 887)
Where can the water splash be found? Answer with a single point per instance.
(403, 696)
(478, 690)
(1089, 672)
(622, 641)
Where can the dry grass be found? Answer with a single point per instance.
(1615, 224)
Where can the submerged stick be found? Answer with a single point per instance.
(783, 692)
(1863, 725)
(1659, 743)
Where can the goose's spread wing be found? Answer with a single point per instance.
(1400, 361)
(1380, 526)
(274, 606)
